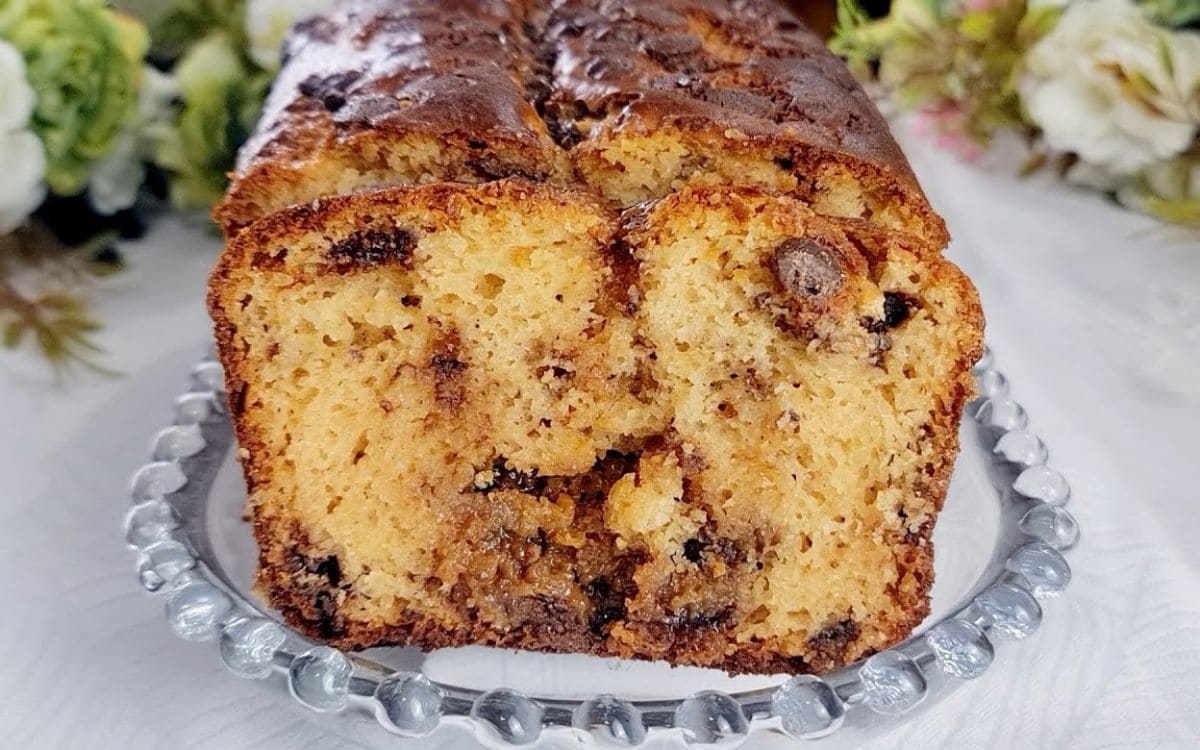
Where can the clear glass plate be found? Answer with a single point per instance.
(998, 554)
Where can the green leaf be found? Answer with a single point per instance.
(60, 301)
(14, 333)
(51, 344)
(1164, 54)
(1185, 211)
(1173, 13)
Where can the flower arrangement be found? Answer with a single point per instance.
(104, 105)
(1107, 89)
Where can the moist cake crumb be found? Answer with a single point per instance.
(475, 446)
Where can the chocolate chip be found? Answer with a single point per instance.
(807, 268)
(693, 550)
(564, 132)
(505, 478)
(895, 309)
(701, 619)
(829, 645)
(372, 247)
(608, 605)
(330, 90)
(330, 568)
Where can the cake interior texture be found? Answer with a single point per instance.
(714, 429)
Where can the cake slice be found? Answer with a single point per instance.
(714, 429)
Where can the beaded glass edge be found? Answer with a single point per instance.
(165, 526)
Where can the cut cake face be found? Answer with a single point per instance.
(714, 429)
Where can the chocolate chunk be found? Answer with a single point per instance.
(330, 568)
(505, 478)
(895, 309)
(693, 550)
(668, 46)
(701, 619)
(592, 486)
(493, 167)
(830, 643)
(608, 605)
(808, 269)
(330, 90)
(372, 247)
(564, 132)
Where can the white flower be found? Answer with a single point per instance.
(1109, 86)
(22, 156)
(269, 21)
(22, 188)
(116, 178)
(16, 96)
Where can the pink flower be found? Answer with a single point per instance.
(945, 122)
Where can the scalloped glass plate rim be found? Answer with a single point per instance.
(168, 526)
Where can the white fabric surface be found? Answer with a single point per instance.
(1093, 313)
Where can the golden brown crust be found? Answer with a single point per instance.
(302, 577)
(702, 89)
(727, 79)
(414, 91)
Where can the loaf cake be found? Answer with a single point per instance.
(521, 353)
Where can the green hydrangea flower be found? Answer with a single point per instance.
(931, 55)
(85, 62)
(177, 24)
(222, 96)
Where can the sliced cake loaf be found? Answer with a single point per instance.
(592, 326)
(714, 430)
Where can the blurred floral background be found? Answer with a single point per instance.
(111, 112)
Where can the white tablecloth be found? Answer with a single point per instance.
(1093, 312)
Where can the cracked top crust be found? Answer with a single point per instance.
(633, 100)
